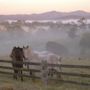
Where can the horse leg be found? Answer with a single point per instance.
(15, 71)
(15, 74)
(30, 71)
(28, 66)
(21, 76)
(51, 72)
(31, 74)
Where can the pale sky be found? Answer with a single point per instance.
(40, 6)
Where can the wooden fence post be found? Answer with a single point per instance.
(44, 72)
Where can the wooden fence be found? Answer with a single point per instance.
(62, 73)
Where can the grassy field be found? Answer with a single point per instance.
(29, 84)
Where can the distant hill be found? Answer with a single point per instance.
(52, 15)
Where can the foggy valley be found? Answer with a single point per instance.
(65, 38)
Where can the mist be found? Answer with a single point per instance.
(70, 38)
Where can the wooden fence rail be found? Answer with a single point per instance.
(54, 65)
(35, 77)
(62, 73)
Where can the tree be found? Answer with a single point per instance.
(85, 43)
(72, 32)
(57, 48)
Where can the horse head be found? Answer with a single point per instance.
(17, 53)
(27, 52)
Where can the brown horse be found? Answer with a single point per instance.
(17, 56)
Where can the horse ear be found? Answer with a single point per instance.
(27, 46)
(14, 47)
(23, 46)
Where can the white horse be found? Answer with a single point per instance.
(35, 56)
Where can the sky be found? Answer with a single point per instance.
(40, 6)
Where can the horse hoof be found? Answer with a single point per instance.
(22, 80)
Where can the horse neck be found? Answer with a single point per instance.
(28, 52)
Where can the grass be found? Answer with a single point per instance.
(28, 84)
